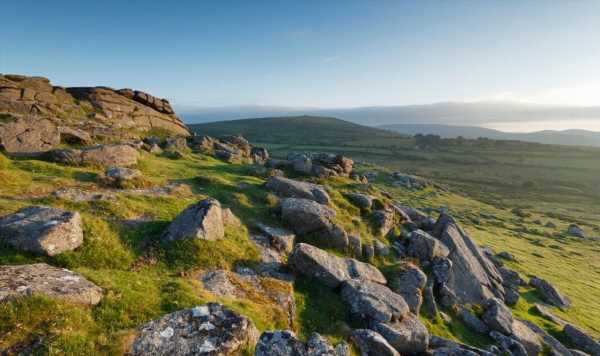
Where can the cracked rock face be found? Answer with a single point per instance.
(40, 278)
(209, 329)
(42, 230)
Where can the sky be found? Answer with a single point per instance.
(312, 53)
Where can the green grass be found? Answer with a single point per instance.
(144, 279)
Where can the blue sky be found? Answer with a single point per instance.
(312, 53)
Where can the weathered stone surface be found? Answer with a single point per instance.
(285, 343)
(497, 316)
(581, 340)
(409, 282)
(449, 347)
(120, 176)
(407, 335)
(329, 269)
(425, 247)
(79, 195)
(429, 304)
(202, 220)
(209, 329)
(103, 155)
(576, 231)
(320, 164)
(296, 189)
(546, 313)
(508, 344)
(281, 239)
(472, 321)
(306, 216)
(372, 303)
(52, 114)
(556, 347)
(363, 201)
(371, 343)
(526, 337)
(42, 230)
(385, 220)
(40, 278)
(473, 277)
(229, 284)
(549, 293)
(272, 259)
(28, 135)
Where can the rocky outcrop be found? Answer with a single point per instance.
(120, 177)
(209, 329)
(372, 303)
(549, 293)
(40, 278)
(473, 278)
(42, 230)
(203, 220)
(232, 149)
(321, 164)
(101, 155)
(285, 343)
(329, 269)
(498, 317)
(44, 115)
(371, 343)
(472, 321)
(581, 340)
(290, 188)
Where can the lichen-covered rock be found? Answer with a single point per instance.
(203, 220)
(549, 293)
(40, 278)
(497, 316)
(290, 188)
(409, 282)
(363, 201)
(28, 135)
(209, 329)
(371, 343)
(120, 177)
(101, 155)
(372, 303)
(330, 269)
(425, 247)
(42, 230)
(581, 340)
(472, 321)
(285, 343)
(407, 335)
(306, 216)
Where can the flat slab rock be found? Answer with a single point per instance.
(40, 278)
(330, 269)
(209, 329)
(42, 230)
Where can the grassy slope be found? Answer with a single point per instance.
(143, 278)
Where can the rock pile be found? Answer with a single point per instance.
(322, 165)
(233, 149)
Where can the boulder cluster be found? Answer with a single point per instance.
(320, 164)
(233, 149)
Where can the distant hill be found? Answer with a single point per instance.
(566, 137)
(309, 130)
(451, 113)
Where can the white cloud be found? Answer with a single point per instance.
(580, 95)
(331, 59)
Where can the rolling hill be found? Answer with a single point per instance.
(565, 137)
(309, 130)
